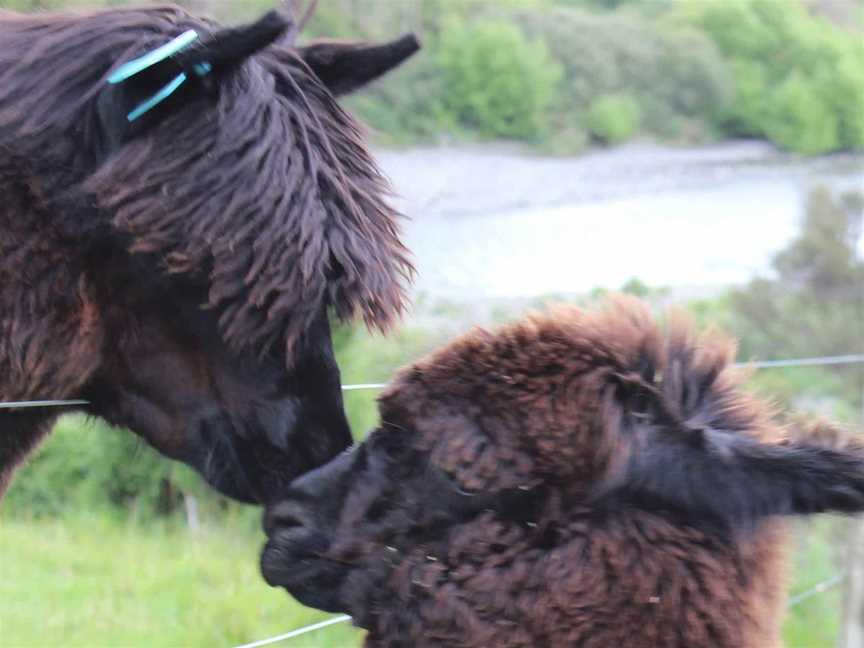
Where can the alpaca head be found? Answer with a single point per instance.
(511, 469)
(207, 204)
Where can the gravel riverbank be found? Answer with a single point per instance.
(492, 223)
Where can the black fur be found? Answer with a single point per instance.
(345, 67)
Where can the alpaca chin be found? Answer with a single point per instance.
(313, 581)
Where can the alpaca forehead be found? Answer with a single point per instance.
(474, 389)
(566, 340)
(548, 364)
(546, 396)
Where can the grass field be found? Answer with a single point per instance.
(93, 581)
(90, 581)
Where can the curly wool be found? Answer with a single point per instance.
(580, 478)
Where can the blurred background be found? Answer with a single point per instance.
(706, 153)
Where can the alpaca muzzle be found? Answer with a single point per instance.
(293, 559)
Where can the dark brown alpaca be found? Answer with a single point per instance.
(175, 265)
(582, 479)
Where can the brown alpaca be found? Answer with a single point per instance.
(579, 479)
(175, 266)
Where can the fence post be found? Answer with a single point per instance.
(852, 631)
(191, 506)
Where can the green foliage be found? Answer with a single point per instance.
(369, 358)
(674, 73)
(817, 288)
(497, 81)
(692, 81)
(815, 621)
(613, 118)
(87, 464)
(404, 106)
(750, 110)
(29, 5)
(818, 285)
(474, 76)
(798, 79)
(824, 262)
(800, 120)
(812, 304)
(638, 288)
(844, 88)
(88, 580)
(600, 5)
(534, 69)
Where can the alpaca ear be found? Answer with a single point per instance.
(231, 47)
(346, 67)
(145, 90)
(701, 472)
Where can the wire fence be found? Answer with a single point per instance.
(851, 358)
(794, 601)
(819, 588)
(298, 632)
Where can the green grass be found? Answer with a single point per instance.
(366, 357)
(90, 581)
(815, 622)
(109, 577)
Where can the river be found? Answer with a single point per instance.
(492, 222)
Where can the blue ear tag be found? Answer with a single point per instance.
(135, 66)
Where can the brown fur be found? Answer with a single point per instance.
(576, 479)
(539, 388)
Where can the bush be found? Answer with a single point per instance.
(497, 81)
(85, 464)
(799, 80)
(816, 284)
(613, 118)
(406, 104)
(843, 88)
(800, 120)
(675, 72)
(473, 76)
(692, 78)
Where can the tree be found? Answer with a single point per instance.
(818, 284)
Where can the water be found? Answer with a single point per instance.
(492, 224)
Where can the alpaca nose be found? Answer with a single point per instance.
(325, 484)
(286, 515)
(313, 501)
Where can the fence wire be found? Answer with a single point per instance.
(824, 586)
(852, 358)
(298, 632)
(819, 588)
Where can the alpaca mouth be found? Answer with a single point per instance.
(312, 579)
